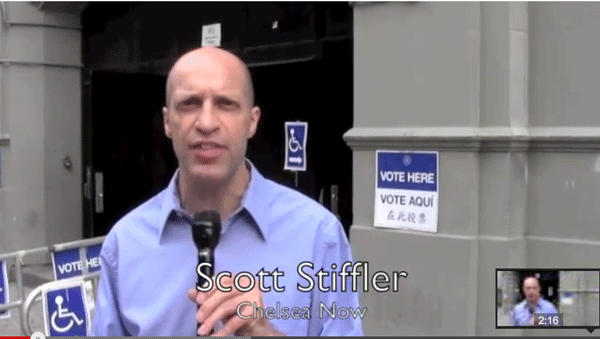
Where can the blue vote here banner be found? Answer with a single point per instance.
(4, 292)
(93, 257)
(67, 263)
(295, 146)
(65, 311)
(406, 192)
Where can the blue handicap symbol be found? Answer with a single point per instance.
(66, 312)
(294, 144)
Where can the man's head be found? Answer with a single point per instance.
(531, 289)
(210, 113)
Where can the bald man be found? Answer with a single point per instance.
(522, 314)
(148, 278)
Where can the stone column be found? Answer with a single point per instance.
(40, 114)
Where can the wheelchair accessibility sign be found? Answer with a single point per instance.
(65, 311)
(4, 289)
(295, 146)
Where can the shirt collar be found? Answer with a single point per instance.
(535, 306)
(255, 201)
(170, 205)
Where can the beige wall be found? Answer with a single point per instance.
(40, 110)
(508, 94)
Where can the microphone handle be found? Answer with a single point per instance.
(532, 312)
(206, 255)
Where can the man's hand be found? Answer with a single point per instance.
(217, 305)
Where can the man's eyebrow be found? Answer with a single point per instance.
(228, 96)
(184, 93)
(178, 99)
(187, 96)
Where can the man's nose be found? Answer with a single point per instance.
(207, 120)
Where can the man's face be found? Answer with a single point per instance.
(531, 288)
(209, 117)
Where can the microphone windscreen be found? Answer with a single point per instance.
(206, 229)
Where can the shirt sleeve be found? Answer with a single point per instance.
(334, 248)
(107, 320)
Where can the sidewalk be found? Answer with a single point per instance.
(33, 276)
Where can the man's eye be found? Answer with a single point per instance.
(190, 103)
(225, 103)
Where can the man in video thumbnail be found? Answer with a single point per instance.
(522, 314)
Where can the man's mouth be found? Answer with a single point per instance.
(207, 145)
(208, 152)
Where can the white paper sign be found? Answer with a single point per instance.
(406, 190)
(211, 35)
(567, 301)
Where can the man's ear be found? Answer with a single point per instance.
(254, 118)
(166, 122)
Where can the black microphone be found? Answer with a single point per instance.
(206, 229)
(531, 311)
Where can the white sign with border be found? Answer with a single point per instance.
(406, 190)
(211, 35)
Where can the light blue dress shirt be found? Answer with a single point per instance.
(521, 315)
(149, 263)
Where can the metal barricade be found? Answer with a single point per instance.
(23, 305)
(37, 292)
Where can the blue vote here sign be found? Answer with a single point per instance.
(406, 193)
(67, 263)
(65, 311)
(295, 146)
(4, 293)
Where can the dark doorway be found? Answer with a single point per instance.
(130, 150)
(300, 57)
(320, 93)
(136, 160)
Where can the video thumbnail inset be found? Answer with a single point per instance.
(548, 297)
